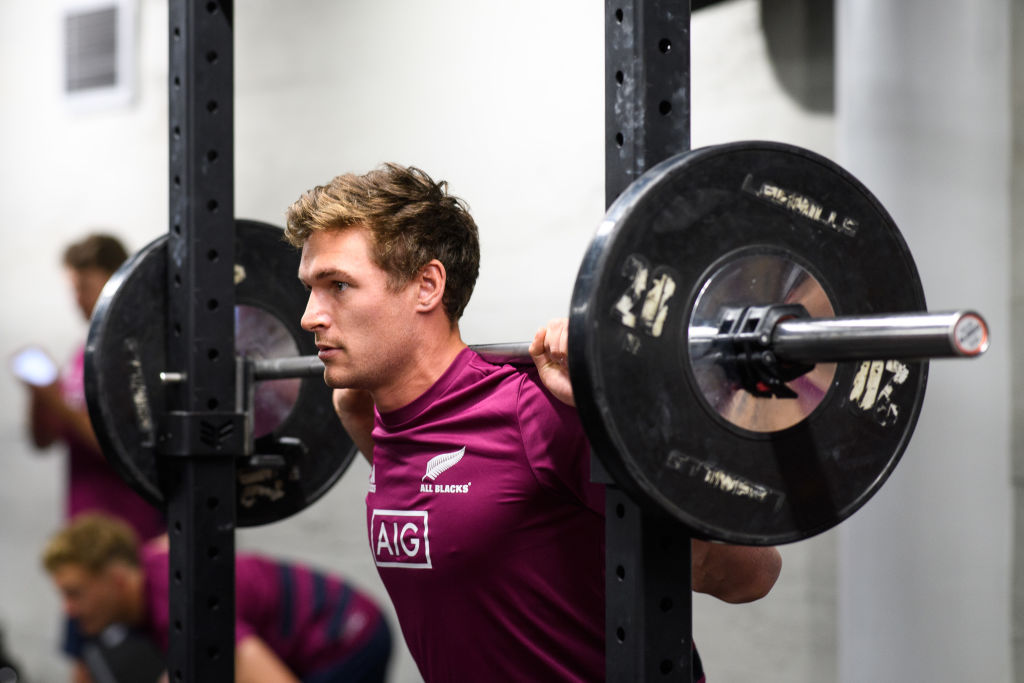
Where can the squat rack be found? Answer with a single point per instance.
(647, 119)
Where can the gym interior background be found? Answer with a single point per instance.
(923, 100)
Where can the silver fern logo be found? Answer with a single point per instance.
(442, 463)
(438, 465)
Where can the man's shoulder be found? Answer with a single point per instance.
(489, 378)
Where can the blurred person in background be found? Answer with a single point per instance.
(57, 409)
(293, 623)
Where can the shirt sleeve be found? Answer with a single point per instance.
(242, 631)
(555, 444)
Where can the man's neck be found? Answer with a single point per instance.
(427, 362)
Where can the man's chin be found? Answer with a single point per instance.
(337, 380)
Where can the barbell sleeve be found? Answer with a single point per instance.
(904, 336)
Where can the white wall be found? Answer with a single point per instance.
(924, 120)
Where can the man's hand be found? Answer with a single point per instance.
(355, 410)
(550, 352)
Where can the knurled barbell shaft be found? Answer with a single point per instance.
(311, 366)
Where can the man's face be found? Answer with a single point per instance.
(93, 599)
(87, 283)
(363, 329)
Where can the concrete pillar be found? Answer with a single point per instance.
(923, 119)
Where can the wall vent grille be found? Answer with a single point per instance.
(99, 52)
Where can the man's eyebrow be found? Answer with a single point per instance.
(327, 274)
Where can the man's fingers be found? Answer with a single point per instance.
(537, 345)
(552, 341)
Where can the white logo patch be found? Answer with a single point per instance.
(442, 463)
(399, 538)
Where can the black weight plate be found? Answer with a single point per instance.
(300, 448)
(689, 225)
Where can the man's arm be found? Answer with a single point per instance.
(43, 413)
(728, 572)
(52, 418)
(255, 662)
(80, 674)
(734, 573)
(354, 408)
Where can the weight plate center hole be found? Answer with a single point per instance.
(259, 334)
(759, 277)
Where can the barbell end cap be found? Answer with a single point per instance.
(970, 334)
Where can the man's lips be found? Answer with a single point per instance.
(325, 352)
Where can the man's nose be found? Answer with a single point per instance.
(314, 316)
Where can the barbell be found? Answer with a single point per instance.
(748, 351)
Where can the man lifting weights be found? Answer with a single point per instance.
(482, 519)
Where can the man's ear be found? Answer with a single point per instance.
(431, 282)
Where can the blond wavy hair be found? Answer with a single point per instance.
(93, 541)
(411, 218)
